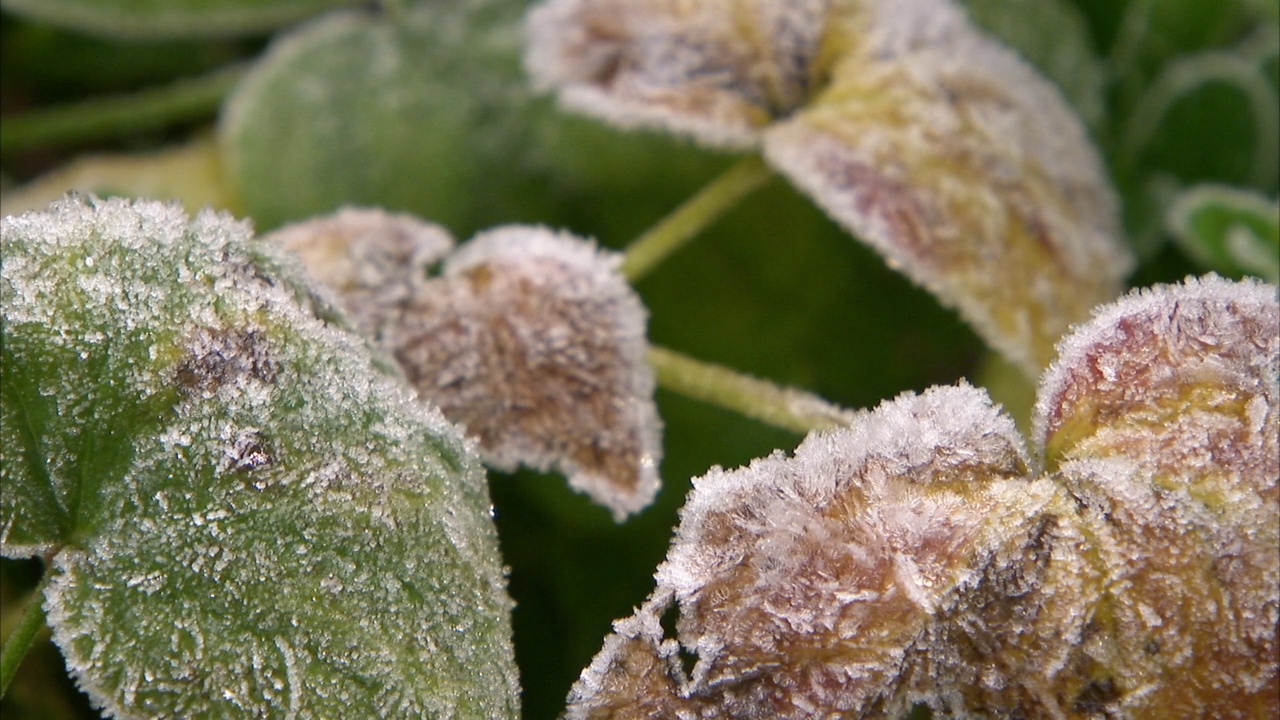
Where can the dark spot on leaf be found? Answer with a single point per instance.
(1095, 696)
(216, 357)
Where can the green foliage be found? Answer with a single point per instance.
(243, 515)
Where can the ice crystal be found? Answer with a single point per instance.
(245, 517)
(530, 339)
(914, 131)
(919, 555)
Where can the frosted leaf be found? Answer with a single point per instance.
(371, 259)
(927, 140)
(804, 582)
(964, 168)
(720, 70)
(246, 519)
(534, 342)
(908, 558)
(1157, 591)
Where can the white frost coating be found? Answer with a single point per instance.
(900, 439)
(269, 464)
(534, 342)
(1209, 312)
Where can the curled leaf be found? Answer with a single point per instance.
(245, 517)
(803, 583)
(534, 342)
(910, 128)
(720, 71)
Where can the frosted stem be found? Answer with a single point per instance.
(23, 636)
(698, 212)
(783, 407)
(99, 118)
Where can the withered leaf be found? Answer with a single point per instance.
(915, 557)
(529, 338)
(914, 131)
(534, 342)
(804, 582)
(1162, 417)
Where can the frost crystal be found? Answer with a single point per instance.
(246, 518)
(911, 129)
(534, 342)
(912, 556)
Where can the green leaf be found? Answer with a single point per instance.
(1229, 230)
(246, 517)
(169, 18)
(426, 113)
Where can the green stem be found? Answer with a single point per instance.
(782, 407)
(23, 636)
(186, 99)
(693, 216)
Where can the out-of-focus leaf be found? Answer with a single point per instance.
(191, 173)
(425, 113)
(169, 18)
(1229, 230)
(1053, 36)
(245, 516)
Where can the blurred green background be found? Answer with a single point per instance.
(291, 108)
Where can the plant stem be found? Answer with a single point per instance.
(698, 212)
(782, 407)
(99, 118)
(23, 636)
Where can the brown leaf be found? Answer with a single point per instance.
(804, 582)
(911, 557)
(1154, 589)
(534, 342)
(1162, 417)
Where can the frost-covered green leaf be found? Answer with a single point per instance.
(169, 18)
(1230, 230)
(245, 517)
(419, 112)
